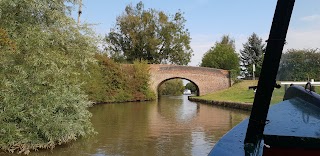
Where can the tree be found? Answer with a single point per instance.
(114, 82)
(252, 53)
(191, 86)
(226, 39)
(222, 56)
(41, 100)
(172, 87)
(149, 35)
(300, 65)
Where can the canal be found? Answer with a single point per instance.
(170, 126)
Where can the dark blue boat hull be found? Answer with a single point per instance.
(293, 127)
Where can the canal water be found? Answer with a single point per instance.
(170, 126)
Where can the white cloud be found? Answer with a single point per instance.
(303, 39)
(201, 43)
(311, 18)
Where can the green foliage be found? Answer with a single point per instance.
(47, 69)
(111, 82)
(105, 80)
(149, 35)
(258, 67)
(252, 53)
(234, 76)
(226, 39)
(5, 42)
(172, 87)
(41, 101)
(300, 65)
(221, 56)
(191, 86)
(141, 81)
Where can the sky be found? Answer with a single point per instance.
(208, 20)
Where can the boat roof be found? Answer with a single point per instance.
(293, 123)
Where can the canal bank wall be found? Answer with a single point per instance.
(236, 105)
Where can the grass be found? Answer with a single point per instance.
(239, 92)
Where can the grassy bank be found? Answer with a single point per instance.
(240, 93)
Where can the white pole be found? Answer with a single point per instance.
(80, 11)
(253, 70)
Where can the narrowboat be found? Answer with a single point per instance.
(291, 127)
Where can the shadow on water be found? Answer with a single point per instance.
(170, 126)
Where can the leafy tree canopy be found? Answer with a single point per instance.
(191, 86)
(300, 65)
(222, 55)
(226, 39)
(150, 35)
(252, 53)
(41, 101)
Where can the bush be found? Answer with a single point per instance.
(299, 65)
(172, 87)
(41, 102)
(233, 75)
(111, 82)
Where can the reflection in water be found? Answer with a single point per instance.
(177, 108)
(170, 126)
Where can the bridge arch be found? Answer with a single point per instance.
(198, 91)
(206, 79)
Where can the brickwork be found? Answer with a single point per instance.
(206, 79)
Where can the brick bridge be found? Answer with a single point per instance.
(207, 80)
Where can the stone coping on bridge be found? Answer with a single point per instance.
(173, 66)
(236, 105)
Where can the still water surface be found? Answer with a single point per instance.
(170, 126)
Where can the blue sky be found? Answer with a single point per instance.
(208, 20)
